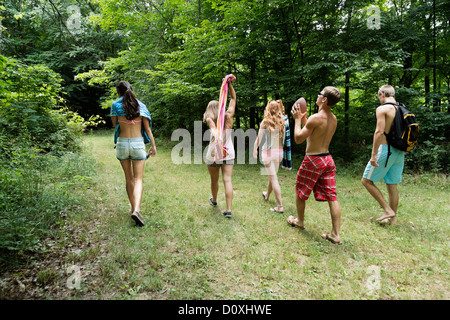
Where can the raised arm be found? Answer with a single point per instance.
(300, 134)
(232, 104)
(210, 123)
(304, 119)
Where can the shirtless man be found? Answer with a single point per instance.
(318, 171)
(377, 168)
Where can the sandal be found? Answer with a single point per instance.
(275, 209)
(212, 202)
(264, 196)
(291, 220)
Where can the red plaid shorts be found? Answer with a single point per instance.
(317, 173)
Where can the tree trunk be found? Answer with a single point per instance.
(427, 79)
(407, 75)
(347, 105)
(252, 117)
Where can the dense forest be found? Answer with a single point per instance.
(175, 54)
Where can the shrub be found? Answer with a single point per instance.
(36, 192)
(39, 160)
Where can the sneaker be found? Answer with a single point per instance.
(212, 202)
(227, 214)
(138, 218)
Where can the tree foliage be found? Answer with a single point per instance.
(58, 34)
(178, 52)
(39, 140)
(175, 53)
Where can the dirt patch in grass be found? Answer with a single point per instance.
(66, 267)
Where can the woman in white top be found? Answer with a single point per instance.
(273, 127)
(216, 161)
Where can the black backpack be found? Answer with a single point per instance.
(404, 131)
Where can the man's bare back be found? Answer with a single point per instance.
(385, 117)
(323, 125)
(318, 130)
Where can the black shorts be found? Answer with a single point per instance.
(219, 163)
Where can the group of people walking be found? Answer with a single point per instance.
(317, 173)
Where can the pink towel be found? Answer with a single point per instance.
(222, 150)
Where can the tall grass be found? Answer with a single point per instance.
(37, 194)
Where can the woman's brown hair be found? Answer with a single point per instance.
(129, 101)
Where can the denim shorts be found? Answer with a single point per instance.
(130, 149)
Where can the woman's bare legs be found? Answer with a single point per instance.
(227, 172)
(272, 169)
(269, 190)
(138, 169)
(134, 175)
(129, 181)
(214, 173)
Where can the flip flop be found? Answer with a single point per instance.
(326, 236)
(276, 210)
(291, 219)
(382, 218)
(264, 196)
(384, 221)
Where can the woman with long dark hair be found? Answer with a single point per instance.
(132, 121)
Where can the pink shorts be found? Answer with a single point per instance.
(272, 155)
(318, 173)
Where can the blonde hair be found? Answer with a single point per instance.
(388, 90)
(212, 111)
(273, 116)
(332, 94)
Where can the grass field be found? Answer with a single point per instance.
(188, 250)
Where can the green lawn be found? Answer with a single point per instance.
(188, 250)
